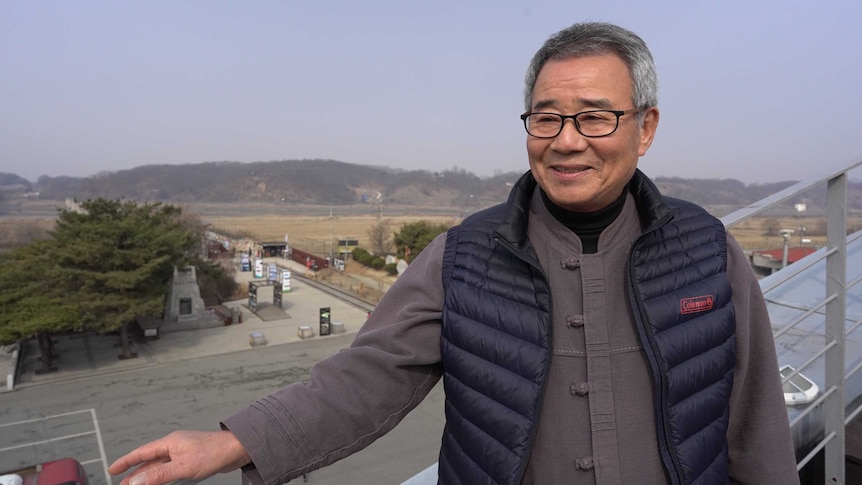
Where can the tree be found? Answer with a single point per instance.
(216, 282)
(103, 267)
(123, 255)
(771, 227)
(414, 237)
(380, 237)
(33, 300)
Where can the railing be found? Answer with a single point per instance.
(831, 405)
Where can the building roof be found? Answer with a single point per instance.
(793, 254)
(798, 299)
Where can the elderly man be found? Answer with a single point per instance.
(589, 330)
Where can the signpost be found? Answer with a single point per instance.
(324, 321)
(280, 286)
(252, 297)
(285, 281)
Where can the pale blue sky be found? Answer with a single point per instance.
(753, 90)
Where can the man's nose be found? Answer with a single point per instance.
(570, 139)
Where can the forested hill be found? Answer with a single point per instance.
(329, 182)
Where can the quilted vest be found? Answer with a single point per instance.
(496, 338)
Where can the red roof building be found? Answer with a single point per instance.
(769, 261)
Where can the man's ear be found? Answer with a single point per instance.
(647, 132)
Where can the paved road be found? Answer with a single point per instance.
(190, 380)
(143, 404)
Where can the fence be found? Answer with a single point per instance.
(825, 418)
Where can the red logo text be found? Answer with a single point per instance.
(696, 304)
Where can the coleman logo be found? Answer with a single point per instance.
(696, 304)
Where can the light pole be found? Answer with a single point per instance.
(331, 261)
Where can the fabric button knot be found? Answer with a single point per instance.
(581, 389)
(570, 263)
(574, 321)
(584, 463)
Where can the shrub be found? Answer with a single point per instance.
(367, 259)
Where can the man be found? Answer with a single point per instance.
(589, 330)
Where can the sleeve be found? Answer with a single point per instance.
(759, 440)
(358, 394)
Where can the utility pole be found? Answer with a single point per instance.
(786, 234)
(331, 260)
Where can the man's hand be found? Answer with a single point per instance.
(182, 455)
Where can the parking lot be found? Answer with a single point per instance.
(28, 442)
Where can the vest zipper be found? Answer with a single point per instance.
(671, 462)
(522, 468)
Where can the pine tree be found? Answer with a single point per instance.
(33, 302)
(122, 254)
(414, 237)
(104, 266)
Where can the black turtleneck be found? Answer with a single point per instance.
(587, 225)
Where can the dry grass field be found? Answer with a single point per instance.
(312, 233)
(764, 232)
(311, 229)
(15, 232)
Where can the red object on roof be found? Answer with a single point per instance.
(793, 254)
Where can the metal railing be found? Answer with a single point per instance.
(833, 306)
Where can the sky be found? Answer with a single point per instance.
(753, 90)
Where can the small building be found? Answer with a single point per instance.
(769, 261)
(272, 249)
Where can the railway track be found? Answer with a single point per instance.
(336, 292)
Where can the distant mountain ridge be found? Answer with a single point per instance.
(330, 182)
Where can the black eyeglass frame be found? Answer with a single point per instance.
(574, 118)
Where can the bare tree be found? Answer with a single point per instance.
(380, 237)
(771, 227)
(20, 232)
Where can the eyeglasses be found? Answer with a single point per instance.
(592, 124)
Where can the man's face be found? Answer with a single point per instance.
(578, 173)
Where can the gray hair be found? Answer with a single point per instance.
(596, 38)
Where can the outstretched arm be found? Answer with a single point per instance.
(182, 455)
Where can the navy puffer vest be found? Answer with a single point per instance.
(496, 338)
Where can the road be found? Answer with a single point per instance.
(135, 406)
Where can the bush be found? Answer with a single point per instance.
(367, 259)
(391, 269)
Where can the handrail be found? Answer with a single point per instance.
(752, 210)
(805, 315)
(832, 402)
(796, 269)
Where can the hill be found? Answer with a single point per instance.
(330, 182)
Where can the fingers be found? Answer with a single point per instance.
(154, 450)
(181, 455)
(154, 474)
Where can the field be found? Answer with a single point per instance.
(312, 233)
(312, 229)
